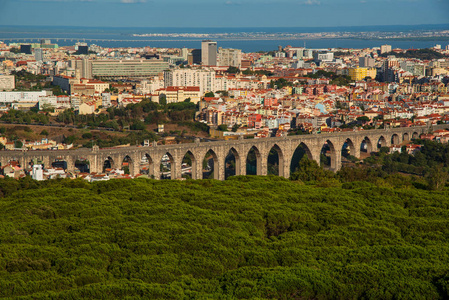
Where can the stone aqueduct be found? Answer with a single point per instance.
(285, 147)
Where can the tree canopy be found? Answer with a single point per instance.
(246, 237)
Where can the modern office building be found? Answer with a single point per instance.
(208, 53)
(195, 57)
(26, 48)
(83, 50)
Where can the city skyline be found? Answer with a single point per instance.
(223, 13)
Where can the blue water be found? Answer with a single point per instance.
(122, 37)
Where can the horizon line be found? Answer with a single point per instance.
(144, 27)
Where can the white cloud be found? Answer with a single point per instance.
(311, 2)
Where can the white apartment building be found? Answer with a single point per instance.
(150, 86)
(230, 57)
(202, 78)
(10, 97)
(385, 49)
(7, 82)
(55, 102)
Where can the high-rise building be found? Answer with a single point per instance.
(304, 53)
(230, 57)
(26, 48)
(385, 49)
(184, 53)
(83, 68)
(366, 62)
(209, 53)
(196, 57)
(39, 54)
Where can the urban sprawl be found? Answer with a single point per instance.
(290, 90)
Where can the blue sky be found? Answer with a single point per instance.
(223, 13)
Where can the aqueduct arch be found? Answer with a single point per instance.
(285, 146)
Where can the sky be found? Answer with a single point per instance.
(223, 13)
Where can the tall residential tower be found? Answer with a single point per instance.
(208, 53)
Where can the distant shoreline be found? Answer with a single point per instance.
(245, 38)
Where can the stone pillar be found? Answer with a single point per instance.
(93, 163)
(197, 164)
(219, 167)
(151, 168)
(194, 168)
(156, 170)
(175, 168)
(134, 165)
(336, 160)
(284, 165)
(117, 161)
(70, 160)
(355, 151)
(22, 162)
(315, 152)
(240, 167)
(262, 164)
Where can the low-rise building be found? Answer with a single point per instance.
(175, 94)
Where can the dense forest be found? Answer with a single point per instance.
(246, 237)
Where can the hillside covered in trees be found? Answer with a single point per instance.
(246, 237)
